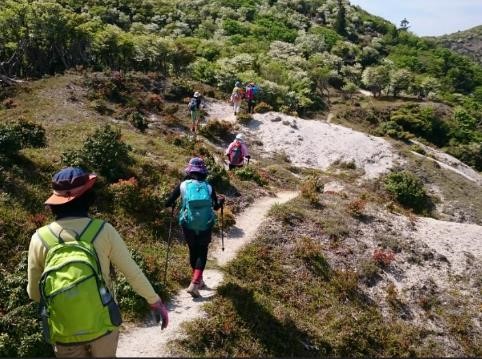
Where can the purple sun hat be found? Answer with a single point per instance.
(196, 165)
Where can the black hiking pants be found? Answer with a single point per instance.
(250, 106)
(198, 247)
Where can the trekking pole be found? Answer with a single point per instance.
(168, 244)
(222, 227)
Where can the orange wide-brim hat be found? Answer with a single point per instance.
(69, 184)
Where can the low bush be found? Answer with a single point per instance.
(310, 189)
(393, 130)
(262, 107)
(153, 102)
(138, 120)
(470, 154)
(217, 130)
(244, 118)
(10, 141)
(228, 219)
(248, 173)
(21, 134)
(383, 258)
(418, 149)
(286, 214)
(356, 207)
(218, 176)
(407, 189)
(103, 151)
(170, 109)
(102, 107)
(20, 331)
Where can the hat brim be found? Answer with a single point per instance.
(196, 169)
(57, 199)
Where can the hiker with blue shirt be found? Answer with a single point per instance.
(69, 266)
(196, 217)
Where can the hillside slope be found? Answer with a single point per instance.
(378, 256)
(467, 42)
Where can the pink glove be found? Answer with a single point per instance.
(160, 312)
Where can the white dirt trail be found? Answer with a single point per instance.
(148, 340)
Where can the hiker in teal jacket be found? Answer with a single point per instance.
(196, 217)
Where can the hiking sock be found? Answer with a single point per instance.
(196, 276)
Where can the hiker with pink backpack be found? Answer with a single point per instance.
(250, 94)
(237, 151)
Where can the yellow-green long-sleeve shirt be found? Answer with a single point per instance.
(110, 248)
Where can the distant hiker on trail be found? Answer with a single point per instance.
(195, 109)
(250, 96)
(69, 263)
(196, 218)
(237, 151)
(237, 97)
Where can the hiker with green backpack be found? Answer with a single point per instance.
(196, 217)
(69, 265)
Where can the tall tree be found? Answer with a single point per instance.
(340, 24)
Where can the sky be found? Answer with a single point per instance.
(428, 17)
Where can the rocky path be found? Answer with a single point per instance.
(148, 340)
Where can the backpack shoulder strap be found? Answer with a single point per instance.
(48, 237)
(92, 230)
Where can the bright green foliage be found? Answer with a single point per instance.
(139, 121)
(10, 141)
(407, 189)
(20, 134)
(20, 332)
(422, 121)
(464, 127)
(223, 41)
(248, 173)
(376, 79)
(400, 80)
(103, 151)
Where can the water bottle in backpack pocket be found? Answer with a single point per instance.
(197, 213)
(76, 306)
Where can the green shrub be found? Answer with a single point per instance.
(10, 141)
(311, 189)
(470, 154)
(417, 148)
(217, 176)
(139, 121)
(262, 107)
(153, 102)
(407, 189)
(244, 118)
(179, 89)
(22, 134)
(217, 130)
(32, 135)
(171, 109)
(103, 151)
(392, 129)
(20, 331)
(102, 107)
(248, 173)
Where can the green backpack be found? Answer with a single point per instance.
(76, 306)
